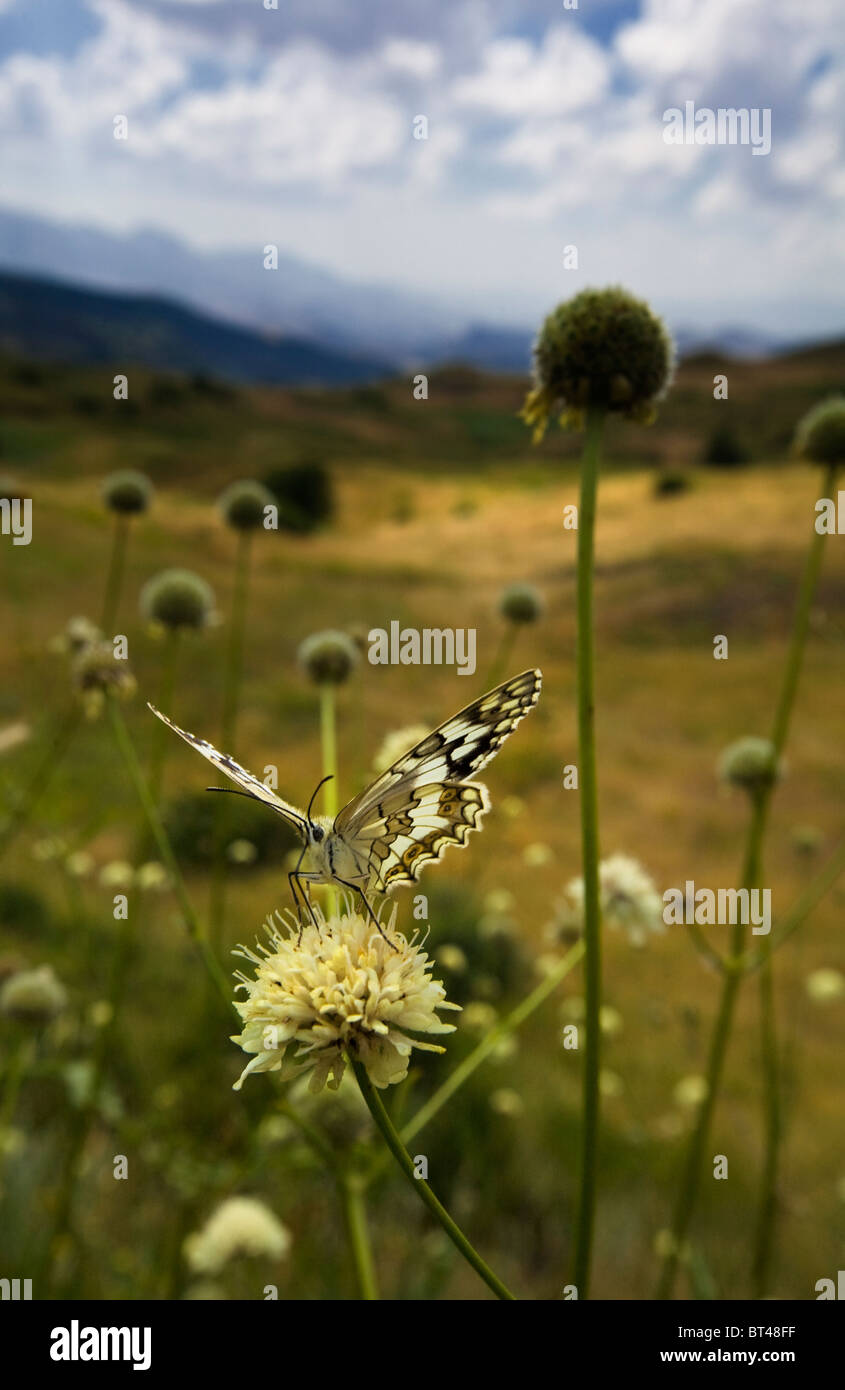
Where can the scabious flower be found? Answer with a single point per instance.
(152, 877)
(97, 672)
(398, 742)
(239, 1226)
(242, 505)
(820, 436)
(824, 985)
(750, 763)
(602, 350)
(79, 633)
(33, 996)
(117, 874)
(521, 603)
(690, 1091)
(332, 987)
(177, 599)
(127, 492)
(629, 901)
(328, 657)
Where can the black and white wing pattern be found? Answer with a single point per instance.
(245, 780)
(425, 802)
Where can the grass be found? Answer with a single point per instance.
(671, 574)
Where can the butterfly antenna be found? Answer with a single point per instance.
(327, 778)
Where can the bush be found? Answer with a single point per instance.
(199, 822)
(669, 482)
(304, 494)
(724, 450)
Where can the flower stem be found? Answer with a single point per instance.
(192, 923)
(117, 565)
(231, 692)
(351, 1191)
(40, 779)
(490, 1042)
(767, 1207)
(502, 656)
(589, 852)
(385, 1125)
(328, 742)
(731, 980)
(166, 687)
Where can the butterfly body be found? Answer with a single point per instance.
(424, 802)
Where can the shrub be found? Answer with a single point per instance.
(304, 494)
(725, 450)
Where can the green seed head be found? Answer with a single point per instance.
(178, 599)
(328, 657)
(521, 603)
(750, 763)
(97, 672)
(33, 996)
(242, 505)
(127, 492)
(603, 350)
(820, 436)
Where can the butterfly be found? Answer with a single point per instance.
(405, 819)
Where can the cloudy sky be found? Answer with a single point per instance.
(250, 125)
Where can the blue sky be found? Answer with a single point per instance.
(249, 126)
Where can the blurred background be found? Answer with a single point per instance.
(230, 206)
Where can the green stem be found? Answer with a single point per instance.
(351, 1191)
(385, 1125)
(502, 656)
(40, 779)
(231, 691)
(192, 923)
(490, 1042)
(696, 1147)
(117, 565)
(767, 1208)
(328, 742)
(21, 1057)
(164, 700)
(589, 853)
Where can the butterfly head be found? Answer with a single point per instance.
(316, 830)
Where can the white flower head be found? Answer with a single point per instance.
(331, 987)
(629, 900)
(33, 996)
(239, 1226)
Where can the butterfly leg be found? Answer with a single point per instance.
(355, 889)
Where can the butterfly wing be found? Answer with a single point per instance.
(424, 802)
(245, 780)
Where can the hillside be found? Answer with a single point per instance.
(51, 321)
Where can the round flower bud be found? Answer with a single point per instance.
(750, 763)
(242, 505)
(10, 489)
(328, 657)
(127, 492)
(601, 350)
(820, 436)
(97, 672)
(177, 599)
(79, 633)
(33, 996)
(521, 603)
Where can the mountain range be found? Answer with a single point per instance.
(91, 295)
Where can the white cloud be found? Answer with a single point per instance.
(566, 72)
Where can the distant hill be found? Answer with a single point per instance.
(47, 320)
